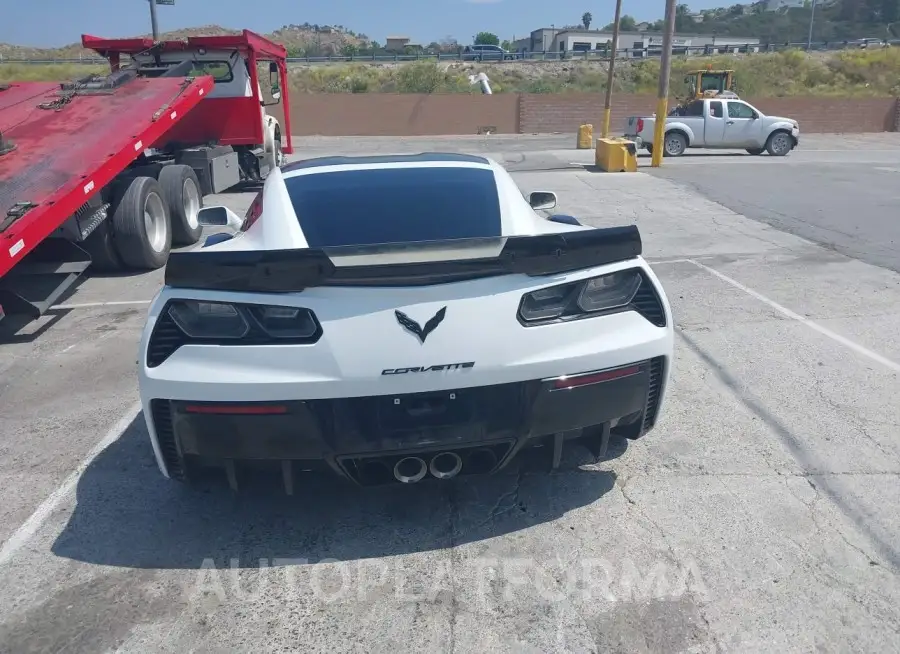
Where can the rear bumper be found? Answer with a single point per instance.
(351, 437)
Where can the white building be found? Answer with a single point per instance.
(638, 44)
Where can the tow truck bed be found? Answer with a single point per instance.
(69, 145)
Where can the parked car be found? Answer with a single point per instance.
(484, 52)
(335, 329)
(716, 123)
(867, 43)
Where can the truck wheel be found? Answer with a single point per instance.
(99, 244)
(756, 151)
(675, 144)
(181, 191)
(779, 144)
(279, 153)
(141, 225)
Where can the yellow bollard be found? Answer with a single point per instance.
(616, 156)
(585, 137)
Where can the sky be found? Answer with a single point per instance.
(50, 23)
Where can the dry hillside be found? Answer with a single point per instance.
(294, 37)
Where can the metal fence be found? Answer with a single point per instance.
(600, 54)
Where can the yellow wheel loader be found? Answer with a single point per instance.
(706, 83)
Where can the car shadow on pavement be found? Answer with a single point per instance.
(128, 515)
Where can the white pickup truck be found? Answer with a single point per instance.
(717, 123)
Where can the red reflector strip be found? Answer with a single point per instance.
(595, 377)
(233, 409)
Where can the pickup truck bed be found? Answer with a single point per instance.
(70, 144)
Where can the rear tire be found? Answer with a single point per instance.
(279, 153)
(755, 151)
(143, 232)
(674, 144)
(99, 244)
(181, 191)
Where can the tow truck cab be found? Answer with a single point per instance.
(233, 116)
(109, 172)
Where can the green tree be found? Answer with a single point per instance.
(507, 45)
(486, 38)
(586, 19)
(683, 20)
(627, 24)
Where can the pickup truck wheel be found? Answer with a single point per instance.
(756, 151)
(779, 144)
(181, 191)
(675, 144)
(143, 234)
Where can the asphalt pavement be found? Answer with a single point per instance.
(761, 515)
(849, 204)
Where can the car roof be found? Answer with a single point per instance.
(370, 161)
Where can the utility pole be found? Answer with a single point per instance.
(607, 107)
(662, 94)
(812, 18)
(153, 24)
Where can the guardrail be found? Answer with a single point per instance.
(600, 54)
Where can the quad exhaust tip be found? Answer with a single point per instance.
(445, 465)
(410, 469)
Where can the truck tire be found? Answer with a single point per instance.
(675, 144)
(99, 244)
(143, 233)
(779, 144)
(181, 191)
(279, 153)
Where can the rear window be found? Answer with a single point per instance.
(398, 205)
(220, 71)
(694, 109)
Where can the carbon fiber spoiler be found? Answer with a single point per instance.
(401, 264)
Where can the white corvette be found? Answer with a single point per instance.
(399, 317)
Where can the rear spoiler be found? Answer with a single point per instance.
(401, 264)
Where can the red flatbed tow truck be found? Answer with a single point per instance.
(109, 172)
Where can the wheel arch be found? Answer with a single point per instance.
(779, 128)
(680, 129)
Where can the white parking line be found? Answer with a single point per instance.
(843, 340)
(29, 528)
(95, 305)
(656, 262)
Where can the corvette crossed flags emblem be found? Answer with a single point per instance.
(413, 327)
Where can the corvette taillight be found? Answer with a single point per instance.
(201, 320)
(584, 297)
(253, 213)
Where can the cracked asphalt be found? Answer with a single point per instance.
(761, 515)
